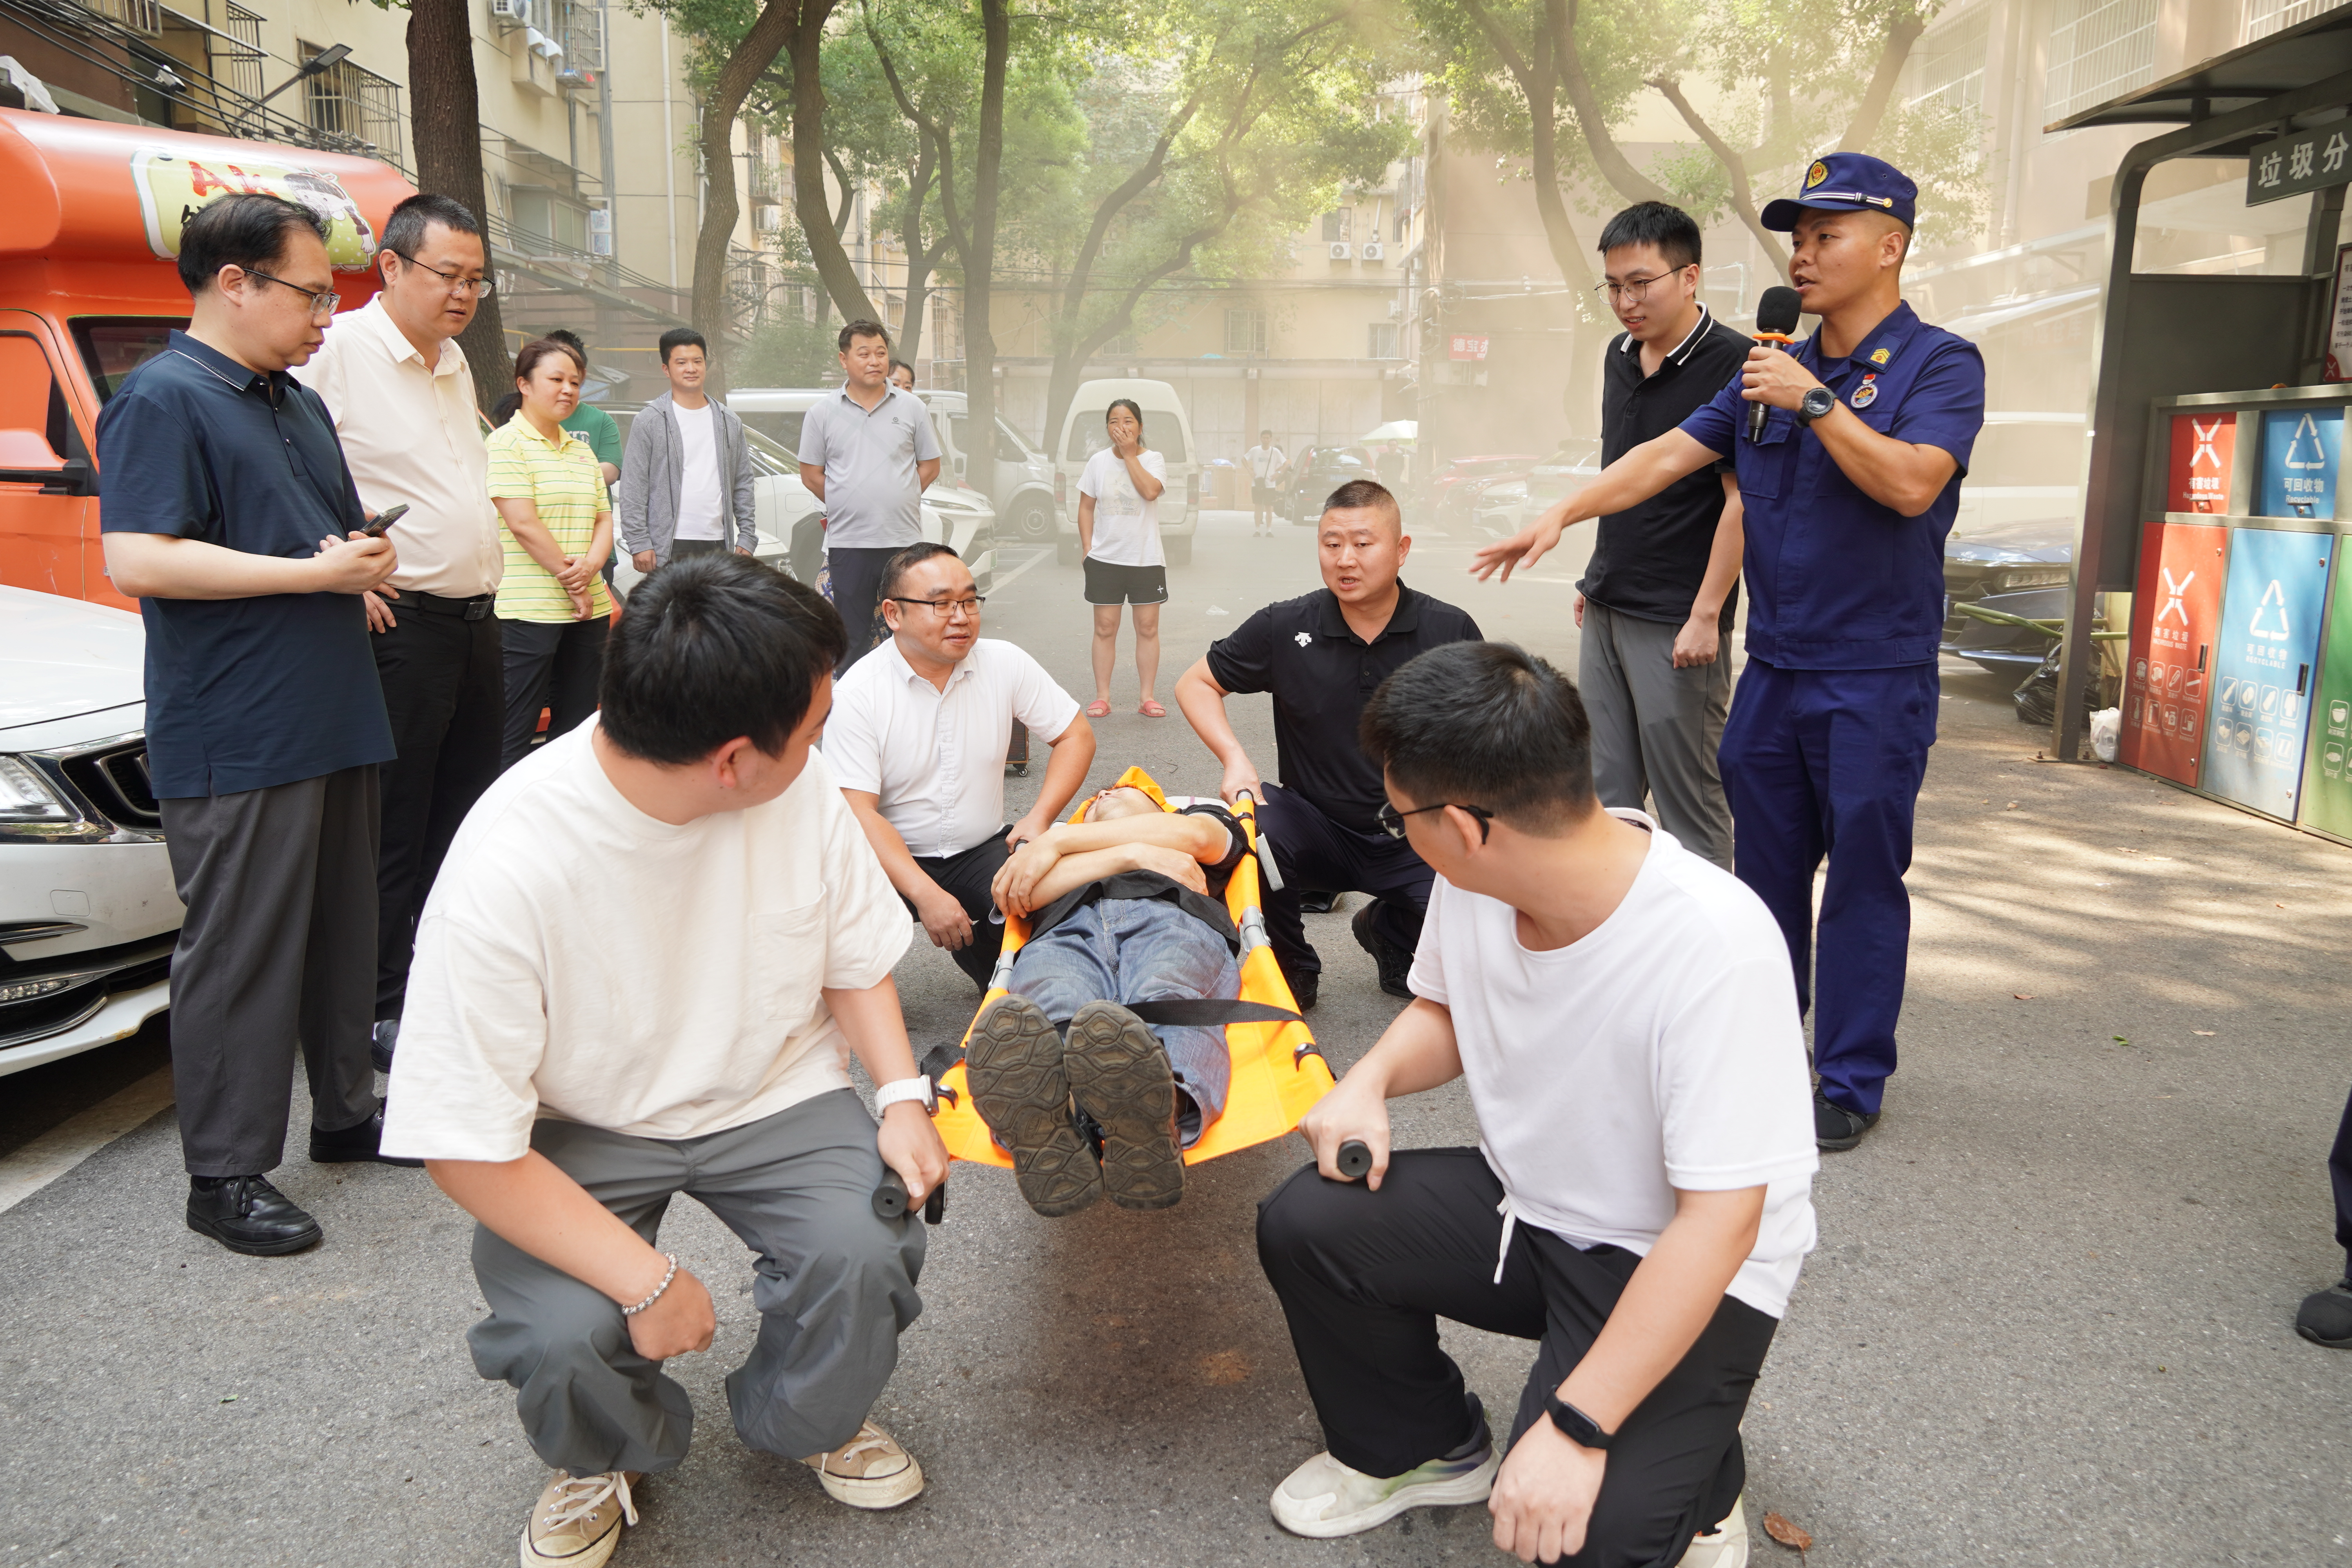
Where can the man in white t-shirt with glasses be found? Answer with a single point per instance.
(1640, 1199)
(1264, 461)
(564, 1099)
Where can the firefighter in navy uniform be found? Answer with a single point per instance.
(1850, 490)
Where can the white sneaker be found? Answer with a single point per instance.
(870, 1471)
(1324, 1498)
(578, 1519)
(1725, 1546)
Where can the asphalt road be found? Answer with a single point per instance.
(2048, 1322)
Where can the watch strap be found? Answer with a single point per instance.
(918, 1088)
(1828, 401)
(1575, 1425)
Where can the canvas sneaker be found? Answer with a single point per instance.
(577, 1520)
(1725, 1546)
(870, 1471)
(1324, 1498)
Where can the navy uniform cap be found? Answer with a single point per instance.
(1847, 182)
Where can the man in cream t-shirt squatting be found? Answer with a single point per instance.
(562, 1099)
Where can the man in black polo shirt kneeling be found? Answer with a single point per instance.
(1322, 655)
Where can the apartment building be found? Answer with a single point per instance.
(588, 124)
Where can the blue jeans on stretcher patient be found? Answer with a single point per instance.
(1140, 950)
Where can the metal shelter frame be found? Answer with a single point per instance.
(2165, 335)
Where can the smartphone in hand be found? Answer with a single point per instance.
(383, 520)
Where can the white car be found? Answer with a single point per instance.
(87, 911)
(1506, 506)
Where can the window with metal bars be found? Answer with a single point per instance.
(346, 100)
(2098, 50)
(2265, 17)
(1946, 67)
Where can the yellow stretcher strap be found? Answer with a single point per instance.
(1278, 1073)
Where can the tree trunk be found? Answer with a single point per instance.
(445, 109)
(979, 258)
(1901, 34)
(714, 314)
(1743, 195)
(1560, 21)
(833, 264)
(919, 258)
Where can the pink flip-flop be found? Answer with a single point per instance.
(1097, 709)
(1151, 708)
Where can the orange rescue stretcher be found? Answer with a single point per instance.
(1278, 1073)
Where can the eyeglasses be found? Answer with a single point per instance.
(1634, 290)
(322, 300)
(948, 609)
(1391, 820)
(480, 287)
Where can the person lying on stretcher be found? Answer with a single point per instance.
(1125, 907)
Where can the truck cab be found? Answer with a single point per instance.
(89, 291)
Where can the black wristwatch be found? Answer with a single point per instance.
(1818, 401)
(1575, 1425)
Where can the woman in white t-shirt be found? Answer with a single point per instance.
(1118, 530)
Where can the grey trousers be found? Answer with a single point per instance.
(833, 1283)
(278, 949)
(1655, 729)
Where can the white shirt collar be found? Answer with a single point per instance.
(394, 342)
(907, 671)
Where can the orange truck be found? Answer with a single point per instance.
(88, 290)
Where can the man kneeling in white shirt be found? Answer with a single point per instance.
(1622, 1014)
(563, 1101)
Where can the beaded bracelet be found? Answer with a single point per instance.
(632, 1311)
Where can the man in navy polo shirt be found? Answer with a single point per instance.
(1850, 490)
(229, 513)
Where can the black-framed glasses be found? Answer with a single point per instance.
(1391, 820)
(949, 608)
(322, 300)
(1634, 290)
(480, 287)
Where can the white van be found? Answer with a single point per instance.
(1022, 475)
(1166, 431)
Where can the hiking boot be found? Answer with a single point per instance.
(1836, 1129)
(246, 1213)
(1020, 1087)
(2325, 1316)
(1395, 961)
(1324, 1498)
(1725, 1546)
(577, 1520)
(1120, 1077)
(870, 1471)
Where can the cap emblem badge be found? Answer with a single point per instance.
(1816, 174)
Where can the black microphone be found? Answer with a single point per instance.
(1776, 322)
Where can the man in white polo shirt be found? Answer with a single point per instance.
(402, 399)
(1640, 1198)
(917, 743)
(868, 453)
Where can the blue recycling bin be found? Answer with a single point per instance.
(2266, 666)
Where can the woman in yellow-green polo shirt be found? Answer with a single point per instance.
(558, 530)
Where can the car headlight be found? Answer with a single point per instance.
(2010, 579)
(31, 810)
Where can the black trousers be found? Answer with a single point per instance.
(856, 592)
(555, 664)
(1313, 851)
(966, 877)
(679, 549)
(276, 954)
(2339, 1176)
(445, 686)
(1363, 1278)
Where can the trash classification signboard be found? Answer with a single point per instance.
(2327, 771)
(2176, 620)
(2300, 449)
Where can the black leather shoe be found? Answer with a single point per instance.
(1836, 1129)
(1303, 988)
(381, 1041)
(2325, 1316)
(246, 1213)
(354, 1144)
(1395, 963)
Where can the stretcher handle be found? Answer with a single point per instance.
(1355, 1161)
(890, 1199)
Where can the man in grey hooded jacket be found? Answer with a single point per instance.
(687, 480)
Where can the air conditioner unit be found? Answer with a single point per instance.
(510, 13)
(1341, 250)
(1374, 250)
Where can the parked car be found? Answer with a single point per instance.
(87, 911)
(1312, 477)
(1167, 430)
(790, 520)
(1447, 500)
(1505, 506)
(2021, 568)
(1021, 483)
